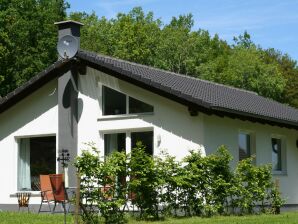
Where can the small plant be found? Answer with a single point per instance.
(276, 200)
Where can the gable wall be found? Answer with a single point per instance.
(36, 115)
(177, 135)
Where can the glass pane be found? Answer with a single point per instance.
(42, 158)
(114, 142)
(145, 137)
(276, 154)
(244, 146)
(37, 156)
(137, 106)
(114, 102)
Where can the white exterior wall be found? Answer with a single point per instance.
(170, 122)
(225, 131)
(178, 131)
(36, 115)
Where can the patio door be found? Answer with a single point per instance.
(36, 156)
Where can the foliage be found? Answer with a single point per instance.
(144, 182)
(198, 185)
(253, 186)
(139, 37)
(28, 39)
(102, 185)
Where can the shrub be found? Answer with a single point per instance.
(198, 185)
(101, 186)
(144, 182)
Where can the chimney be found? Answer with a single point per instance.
(69, 27)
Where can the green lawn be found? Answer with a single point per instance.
(286, 218)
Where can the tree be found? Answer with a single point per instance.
(289, 70)
(244, 67)
(133, 36)
(28, 39)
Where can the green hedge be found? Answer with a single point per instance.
(162, 186)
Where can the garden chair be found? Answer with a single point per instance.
(46, 192)
(59, 192)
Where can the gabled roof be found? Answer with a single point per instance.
(201, 95)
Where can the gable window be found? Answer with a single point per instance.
(116, 103)
(244, 142)
(117, 141)
(276, 145)
(36, 156)
(137, 106)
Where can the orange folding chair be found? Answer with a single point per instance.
(46, 192)
(59, 192)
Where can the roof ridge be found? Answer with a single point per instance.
(169, 72)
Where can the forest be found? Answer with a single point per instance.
(28, 39)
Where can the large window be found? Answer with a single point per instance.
(276, 144)
(36, 156)
(145, 137)
(244, 142)
(117, 141)
(115, 103)
(114, 143)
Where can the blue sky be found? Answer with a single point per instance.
(271, 23)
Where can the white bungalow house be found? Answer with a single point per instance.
(114, 103)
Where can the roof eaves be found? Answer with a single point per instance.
(259, 118)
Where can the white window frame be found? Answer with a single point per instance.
(17, 141)
(127, 137)
(283, 170)
(127, 114)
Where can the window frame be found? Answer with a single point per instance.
(17, 140)
(128, 140)
(283, 145)
(127, 114)
(252, 143)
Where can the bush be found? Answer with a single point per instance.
(198, 185)
(144, 182)
(102, 185)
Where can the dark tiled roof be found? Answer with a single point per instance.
(209, 95)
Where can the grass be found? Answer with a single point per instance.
(30, 218)
(284, 218)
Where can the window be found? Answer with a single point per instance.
(276, 145)
(36, 156)
(117, 141)
(114, 143)
(115, 103)
(137, 106)
(145, 137)
(244, 141)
